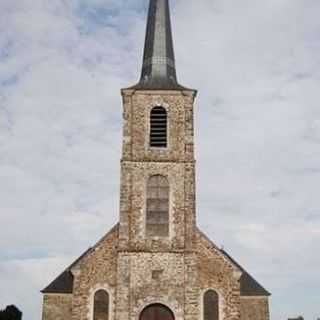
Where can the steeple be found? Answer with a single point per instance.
(158, 69)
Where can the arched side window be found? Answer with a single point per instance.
(211, 305)
(101, 305)
(157, 215)
(158, 127)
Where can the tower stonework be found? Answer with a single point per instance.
(140, 161)
(155, 264)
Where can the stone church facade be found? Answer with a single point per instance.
(155, 264)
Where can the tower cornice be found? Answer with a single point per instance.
(184, 91)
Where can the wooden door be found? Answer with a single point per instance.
(156, 312)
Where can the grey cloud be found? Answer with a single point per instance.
(257, 67)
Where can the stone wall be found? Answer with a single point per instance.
(137, 279)
(218, 273)
(254, 308)
(135, 176)
(57, 307)
(139, 162)
(97, 270)
(137, 107)
(147, 278)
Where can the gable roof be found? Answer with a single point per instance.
(248, 285)
(64, 282)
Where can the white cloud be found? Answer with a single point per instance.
(257, 67)
(21, 281)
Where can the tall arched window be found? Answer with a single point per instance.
(158, 127)
(211, 305)
(157, 216)
(101, 305)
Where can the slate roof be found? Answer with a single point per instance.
(248, 285)
(64, 282)
(158, 68)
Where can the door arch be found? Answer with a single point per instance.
(156, 311)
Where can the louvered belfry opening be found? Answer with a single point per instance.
(158, 127)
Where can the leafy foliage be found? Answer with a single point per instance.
(11, 313)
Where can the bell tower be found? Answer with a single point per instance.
(157, 200)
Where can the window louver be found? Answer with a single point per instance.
(158, 127)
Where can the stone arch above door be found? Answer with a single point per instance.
(177, 308)
(156, 311)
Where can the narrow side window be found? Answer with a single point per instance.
(211, 305)
(101, 305)
(158, 127)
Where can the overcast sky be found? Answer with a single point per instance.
(256, 65)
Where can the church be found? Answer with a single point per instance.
(156, 264)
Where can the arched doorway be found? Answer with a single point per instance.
(156, 312)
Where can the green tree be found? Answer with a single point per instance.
(11, 313)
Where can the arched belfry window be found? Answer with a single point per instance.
(157, 215)
(211, 305)
(158, 127)
(101, 305)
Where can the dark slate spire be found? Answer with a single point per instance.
(158, 69)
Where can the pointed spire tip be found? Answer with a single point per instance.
(158, 68)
